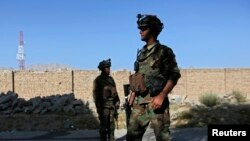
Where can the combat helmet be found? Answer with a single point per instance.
(150, 21)
(104, 63)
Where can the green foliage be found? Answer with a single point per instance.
(239, 96)
(210, 99)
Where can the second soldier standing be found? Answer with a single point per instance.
(106, 101)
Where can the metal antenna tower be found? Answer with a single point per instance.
(20, 53)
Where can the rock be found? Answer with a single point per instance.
(22, 102)
(18, 110)
(8, 97)
(79, 109)
(176, 99)
(42, 108)
(8, 111)
(77, 103)
(44, 111)
(35, 101)
(28, 109)
(5, 106)
(14, 103)
(41, 105)
(69, 110)
(59, 104)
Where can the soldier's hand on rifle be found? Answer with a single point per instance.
(131, 98)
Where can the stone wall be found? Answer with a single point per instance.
(6, 81)
(30, 84)
(193, 83)
(83, 84)
(200, 81)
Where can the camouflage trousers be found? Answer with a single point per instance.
(140, 118)
(107, 124)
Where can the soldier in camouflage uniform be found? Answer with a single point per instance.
(106, 101)
(158, 68)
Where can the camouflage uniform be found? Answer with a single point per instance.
(107, 102)
(157, 65)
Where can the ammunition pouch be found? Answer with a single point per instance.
(143, 84)
(109, 92)
(137, 87)
(110, 97)
(106, 92)
(137, 83)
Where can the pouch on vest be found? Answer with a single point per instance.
(137, 83)
(108, 97)
(137, 86)
(107, 93)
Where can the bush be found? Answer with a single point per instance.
(210, 99)
(239, 96)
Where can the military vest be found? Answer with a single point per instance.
(154, 65)
(108, 91)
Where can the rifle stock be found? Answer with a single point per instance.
(127, 106)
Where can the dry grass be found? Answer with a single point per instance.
(239, 96)
(210, 99)
(200, 116)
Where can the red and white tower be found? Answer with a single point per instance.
(20, 53)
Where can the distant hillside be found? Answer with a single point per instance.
(6, 68)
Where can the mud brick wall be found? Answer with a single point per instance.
(204, 81)
(31, 84)
(121, 78)
(193, 83)
(239, 80)
(83, 85)
(6, 83)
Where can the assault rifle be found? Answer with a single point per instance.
(127, 106)
(116, 116)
